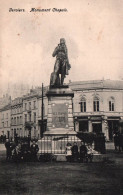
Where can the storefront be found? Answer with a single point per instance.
(113, 125)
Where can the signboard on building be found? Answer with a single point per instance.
(60, 115)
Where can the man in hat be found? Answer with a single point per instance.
(61, 65)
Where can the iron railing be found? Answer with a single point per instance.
(56, 144)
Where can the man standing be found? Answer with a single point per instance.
(34, 150)
(8, 149)
(75, 152)
(61, 65)
(83, 152)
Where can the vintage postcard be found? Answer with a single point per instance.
(61, 97)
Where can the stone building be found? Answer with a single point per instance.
(16, 117)
(32, 112)
(5, 120)
(98, 106)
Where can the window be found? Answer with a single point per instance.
(17, 109)
(96, 104)
(14, 120)
(20, 119)
(2, 124)
(17, 120)
(30, 117)
(34, 117)
(20, 109)
(34, 104)
(29, 105)
(111, 104)
(25, 106)
(7, 115)
(83, 105)
(25, 117)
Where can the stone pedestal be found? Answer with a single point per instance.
(60, 111)
(60, 124)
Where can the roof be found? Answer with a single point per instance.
(35, 93)
(96, 84)
(7, 107)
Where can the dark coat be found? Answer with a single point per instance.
(83, 149)
(34, 148)
(75, 149)
(8, 148)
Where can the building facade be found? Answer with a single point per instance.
(16, 117)
(97, 107)
(32, 113)
(5, 120)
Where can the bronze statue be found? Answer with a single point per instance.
(61, 65)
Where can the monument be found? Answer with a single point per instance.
(60, 124)
(60, 96)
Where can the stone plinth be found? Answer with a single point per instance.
(60, 111)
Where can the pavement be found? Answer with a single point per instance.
(62, 178)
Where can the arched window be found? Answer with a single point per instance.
(83, 105)
(96, 104)
(111, 104)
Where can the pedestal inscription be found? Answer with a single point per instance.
(60, 115)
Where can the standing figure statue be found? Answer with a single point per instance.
(61, 65)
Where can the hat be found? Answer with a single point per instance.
(62, 40)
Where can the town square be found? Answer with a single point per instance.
(61, 98)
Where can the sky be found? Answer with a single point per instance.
(92, 30)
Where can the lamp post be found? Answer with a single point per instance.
(42, 114)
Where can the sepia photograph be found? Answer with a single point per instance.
(61, 97)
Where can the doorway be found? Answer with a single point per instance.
(97, 127)
(83, 126)
(113, 127)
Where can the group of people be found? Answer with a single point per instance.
(21, 151)
(3, 138)
(82, 154)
